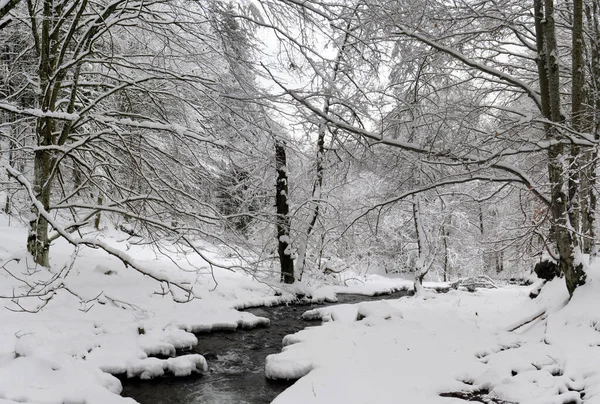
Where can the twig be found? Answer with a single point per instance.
(530, 320)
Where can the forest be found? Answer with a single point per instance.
(234, 154)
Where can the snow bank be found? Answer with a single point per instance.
(223, 321)
(127, 325)
(354, 312)
(35, 380)
(377, 352)
(557, 355)
(374, 285)
(149, 368)
(106, 319)
(418, 348)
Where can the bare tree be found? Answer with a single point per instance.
(126, 96)
(508, 66)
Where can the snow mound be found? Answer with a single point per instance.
(150, 368)
(278, 368)
(354, 312)
(69, 381)
(224, 321)
(166, 342)
(343, 312)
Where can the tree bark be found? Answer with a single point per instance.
(283, 215)
(561, 231)
(316, 194)
(419, 264)
(38, 243)
(99, 214)
(589, 198)
(446, 252)
(577, 121)
(320, 167)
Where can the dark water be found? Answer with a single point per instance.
(236, 362)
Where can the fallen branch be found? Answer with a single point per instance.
(528, 320)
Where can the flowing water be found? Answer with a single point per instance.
(236, 362)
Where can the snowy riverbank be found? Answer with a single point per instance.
(413, 349)
(106, 319)
(437, 347)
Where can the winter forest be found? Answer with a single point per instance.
(291, 201)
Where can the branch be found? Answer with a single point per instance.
(528, 320)
(38, 113)
(93, 243)
(530, 91)
(6, 7)
(427, 188)
(413, 147)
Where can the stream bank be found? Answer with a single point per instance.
(236, 361)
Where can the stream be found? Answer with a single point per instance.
(236, 361)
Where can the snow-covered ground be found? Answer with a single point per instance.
(416, 348)
(107, 319)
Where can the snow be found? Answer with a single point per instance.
(410, 344)
(32, 379)
(150, 368)
(410, 349)
(373, 284)
(126, 325)
(353, 312)
(418, 347)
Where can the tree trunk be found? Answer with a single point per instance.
(499, 261)
(320, 168)
(99, 214)
(593, 99)
(419, 264)
(11, 163)
(577, 121)
(283, 215)
(38, 243)
(316, 195)
(10, 157)
(561, 231)
(446, 257)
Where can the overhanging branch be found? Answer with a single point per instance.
(520, 175)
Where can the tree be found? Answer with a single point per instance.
(284, 245)
(500, 57)
(125, 99)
